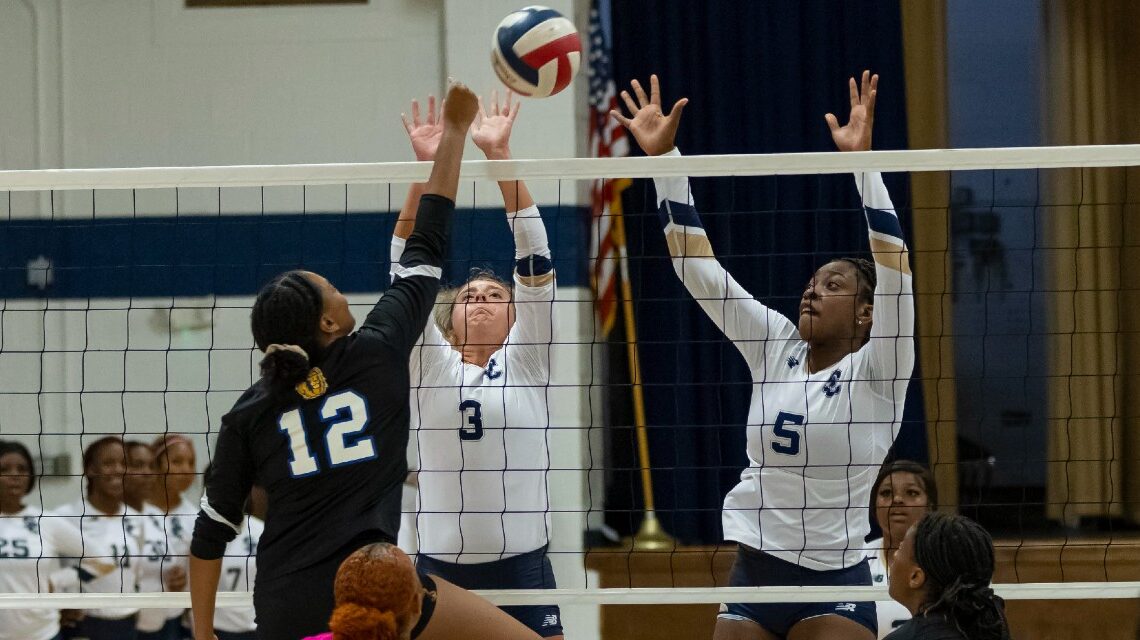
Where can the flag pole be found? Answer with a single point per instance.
(650, 536)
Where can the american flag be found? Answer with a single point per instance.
(607, 139)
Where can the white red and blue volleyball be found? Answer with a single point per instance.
(536, 51)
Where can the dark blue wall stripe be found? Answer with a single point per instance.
(234, 255)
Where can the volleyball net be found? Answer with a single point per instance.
(125, 312)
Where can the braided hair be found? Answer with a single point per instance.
(957, 556)
(285, 320)
(865, 273)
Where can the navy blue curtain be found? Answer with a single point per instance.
(759, 76)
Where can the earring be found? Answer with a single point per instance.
(858, 322)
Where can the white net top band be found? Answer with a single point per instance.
(576, 168)
(695, 595)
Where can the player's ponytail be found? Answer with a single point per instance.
(351, 621)
(284, 365)
(285, 322)
(376, 592)
(957, 556)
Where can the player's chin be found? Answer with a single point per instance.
(807, 326)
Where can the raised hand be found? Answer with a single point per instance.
(460, 107)
(652, 128)
(856, 134)
(424, 134)
(491, 131)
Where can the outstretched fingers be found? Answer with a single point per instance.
(871, 93)
(622, 120)
(832, 122)
(510, 106)
(655, 90)
(431, 110)
(629, 103)
(678, 107)
(642, 99)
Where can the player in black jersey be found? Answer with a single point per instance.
(325, 429)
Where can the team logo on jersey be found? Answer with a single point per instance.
(550, 620)
(314, 386)
(32, 525)
(848, 607)
(832, 386)
(793, 362)
(491, 372)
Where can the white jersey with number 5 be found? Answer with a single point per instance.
(482, 431)
(815, 439)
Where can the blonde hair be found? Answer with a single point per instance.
(445, 301)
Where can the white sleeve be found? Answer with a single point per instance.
(742, 319)
(62, 536)
(530, 339)
(891, 345)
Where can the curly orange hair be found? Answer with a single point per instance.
(376, 592)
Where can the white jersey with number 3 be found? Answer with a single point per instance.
(815, 440)
(482, 435)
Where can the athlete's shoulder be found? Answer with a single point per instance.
(251, 404)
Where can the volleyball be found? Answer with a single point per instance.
(535, 51)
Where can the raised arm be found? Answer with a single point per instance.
(534, 271)
(744, 320)
(892, 318)
(401, 313)
(424, 134)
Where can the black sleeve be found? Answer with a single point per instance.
(401, 313)
(228, 485)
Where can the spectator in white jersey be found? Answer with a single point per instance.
(903, 493)
(113, 533)
(162, 566)
(941, 573)
(832, 383)
(31, 549)
(479, 403)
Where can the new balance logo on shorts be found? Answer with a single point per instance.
(551, 620)
(849, 607)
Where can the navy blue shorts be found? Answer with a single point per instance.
(92, 628)
(754, 568)
(526, 571)
(171, 630)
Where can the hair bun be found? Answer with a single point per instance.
(284, 365)
(352, 621)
